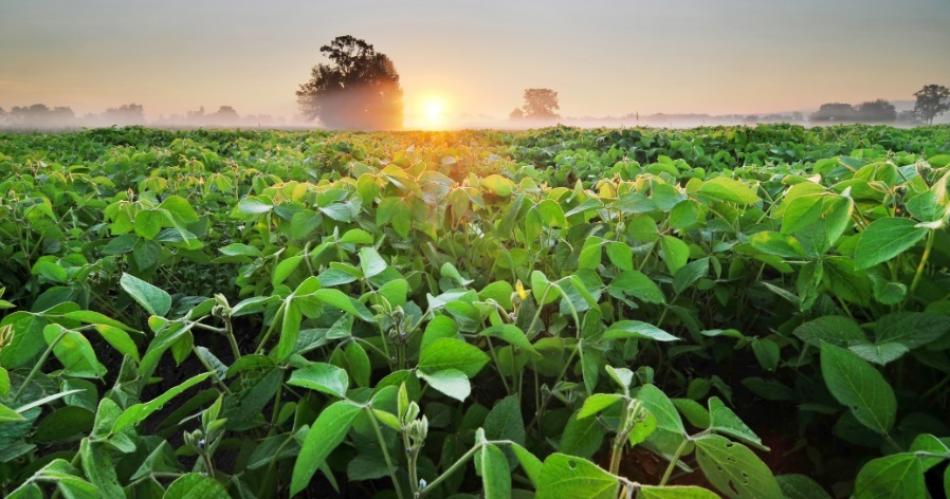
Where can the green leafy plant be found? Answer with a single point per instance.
(737, 312)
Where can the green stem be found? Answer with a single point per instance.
(231, 339)
(413, 455)
(382, 445)
(923, 262)
(494, 359)
(623, 430)
(676, 457)
(451, 469)
(39, 364)
(273, 325)
(544, 402)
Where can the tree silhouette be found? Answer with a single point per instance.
(932, 101)
(359, 89)
(126, 114)
(834, 111)
(225, 115)
(877, 111)
(539, 104)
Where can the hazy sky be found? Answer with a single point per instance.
(604, 57)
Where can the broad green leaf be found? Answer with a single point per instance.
(859, 387)
(687, 275)
(639, 286)
(884, 239)
(289, 330)
(727, 189)
(543, 290)
(898, 476)
(154, 300)
(90, 317)
(637, 329)
(498, 185)
(119, 339)
(581, 437)
(511, 334)
(395, 291)
(529, 463)
(880, 354)
(137, 413)
(239, 249)
(500, 291)
(675, 492)
(8, 415)
(504, 421)
(835, 329)
(148, 223)
(326, 433)
(734, 469)
(322, 377)
(74, 352)
(357, 362)
(620, 255)
(565, 476)
(370, 262)
(797, 486)
(283, 270)
(338, 299)
(667, 418)
(195, 486)
(252, 206)
(451, 382)
(911, 329)
(496, 478)
(98, 466)
(937, 449)
(675, 253)
(644, 426)
(451, 353)
(774, 243)
(597, 403)
(726, 422)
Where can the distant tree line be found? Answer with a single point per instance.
(43, 116)
(876, 111)
(931, 101)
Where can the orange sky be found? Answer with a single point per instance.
(475, 57)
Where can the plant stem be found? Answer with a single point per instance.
(676, 458)
(544, 402)
(923, 262)
(623, 430)
(273, 325)
(382, 445)
(451, 469)
(616, 452)
(494, 358)
(38, 365)
(412, 456)
(231, 339)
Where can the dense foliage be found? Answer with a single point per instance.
(745, 312)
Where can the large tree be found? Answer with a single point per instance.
(932, 101)
(539, 104)
(358, 89)
(834, 111)
(876, 111)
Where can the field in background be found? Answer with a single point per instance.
(750, 312)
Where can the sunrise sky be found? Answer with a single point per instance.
(475, 57)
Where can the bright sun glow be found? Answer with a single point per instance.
(433, 113)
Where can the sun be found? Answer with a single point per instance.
(433, 113)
